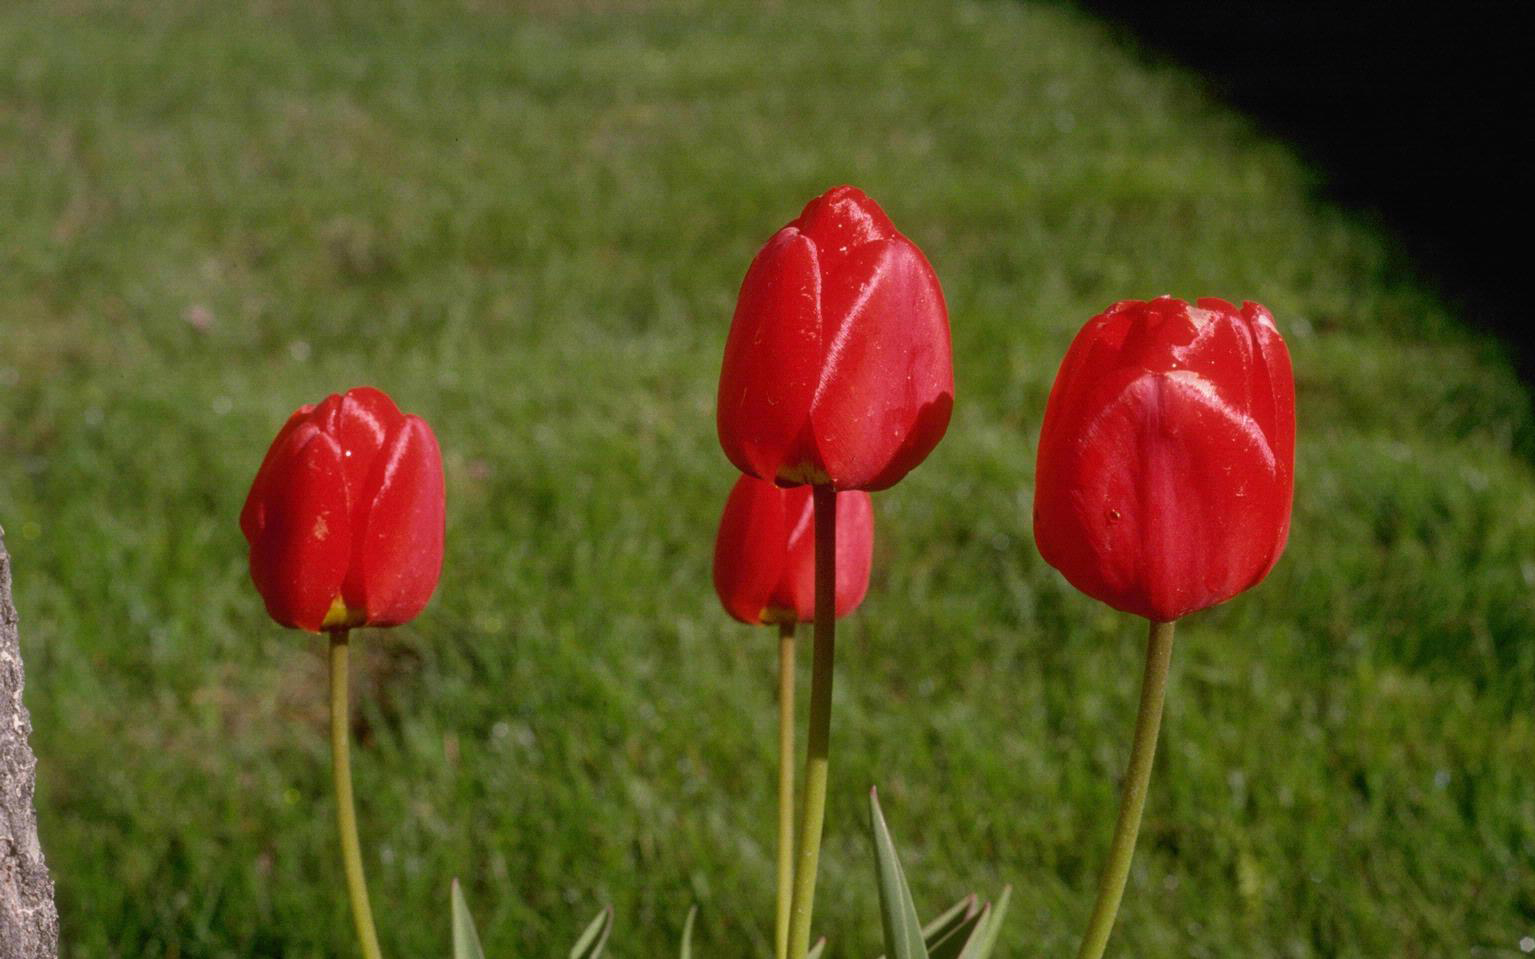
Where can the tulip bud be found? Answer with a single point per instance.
(345, 518)
(1166, 459)
(764, 556)
(837, 368)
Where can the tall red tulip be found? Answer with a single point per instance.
(764, 556)
(1163, 486)
(837, 374)
(1166, 460)
(837, 369)
(345, 517)
(345, 526)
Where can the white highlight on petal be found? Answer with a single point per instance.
(1205, 325)
(838, 345)
(1192, 382)
(801, 524)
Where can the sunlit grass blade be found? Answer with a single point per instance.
(466, 940)
(595, 937)
(687, 934)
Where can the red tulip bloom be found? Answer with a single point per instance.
(764, 557)
(345, 517)
(1166, 460)
(837, 368)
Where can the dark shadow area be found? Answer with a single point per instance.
(1410, 111)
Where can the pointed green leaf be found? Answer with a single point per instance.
(951, 917)
(589, 946)
(985, 938)
(817, 949)
(938, 929)
(466, 941)
(958, 939)
(687, 934)
(903, 931)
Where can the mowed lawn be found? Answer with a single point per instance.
(528, 223)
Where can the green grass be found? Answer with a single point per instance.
(528, 223)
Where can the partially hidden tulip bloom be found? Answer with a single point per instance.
(764, 556)
(1162, 487)
(345, 517)
(837, 368)
(764, 572)
(345, 525)
(1166, 459)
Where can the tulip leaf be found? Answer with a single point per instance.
(687, 934)
(595, 937)
(937, 929)
(903, 931)
(466, 941)
(817, 949)
(948, 920)
(953, 944)
(985, 938)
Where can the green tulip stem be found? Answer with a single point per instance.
(346, 813)
(813, 814)
(785, 788)
(1143, 752)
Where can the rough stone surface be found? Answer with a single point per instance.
(29, 923)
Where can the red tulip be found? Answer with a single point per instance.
(764, 557)
(837, 368)
(1166, 460)
(345, 517)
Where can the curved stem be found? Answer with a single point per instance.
(1159, 654)
(346, 814)
(785, 788)
(813, 815)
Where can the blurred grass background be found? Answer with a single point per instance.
(528, 223)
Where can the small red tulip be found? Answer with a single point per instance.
(1166, 459)
(764, 557)
(837, 368)
(345, 517)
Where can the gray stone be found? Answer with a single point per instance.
(29, 922)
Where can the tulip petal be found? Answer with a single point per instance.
(886, 387)
(855, 548)
(1224, 352)
(397, 552)
(363, 418)
(1170, 500)
(772, 360)
(1165, 468)
(749, 550)
(302, 541)
(840, 221)
(1275, 382)
(252, 514)
(795, 590)
(837, 368)
(855, 553)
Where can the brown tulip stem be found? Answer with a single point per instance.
(1143, 752)
(785, 788)
(346, 813)
(813, 815)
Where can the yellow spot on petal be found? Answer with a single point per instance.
(341, 617)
